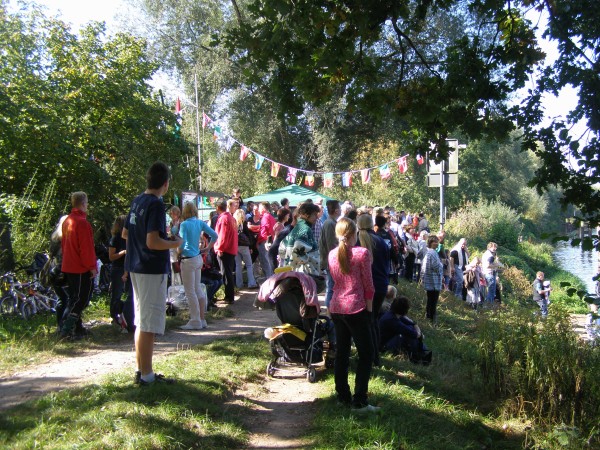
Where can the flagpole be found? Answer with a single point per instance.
(198, 133)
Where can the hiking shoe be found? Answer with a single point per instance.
(159, 378)
(366, 409)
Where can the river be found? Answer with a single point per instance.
(583, 264)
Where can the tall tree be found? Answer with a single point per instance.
(436, 67)
(78, 110)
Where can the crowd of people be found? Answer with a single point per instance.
(358, 254)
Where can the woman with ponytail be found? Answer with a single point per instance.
(380, 263)
(350, 308)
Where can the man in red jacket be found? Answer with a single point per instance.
(226, 246)
(79, 265)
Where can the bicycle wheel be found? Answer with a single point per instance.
(27, 309)
(7, 306)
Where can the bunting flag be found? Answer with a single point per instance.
(259, 161)
(347, 179)
(229, 141)
(274, 169)
(385, 172)
(205, 120)
(216, 132)
(291, 175)
(244, 152)
(309, 179)
(178, 119)
(365, 176)
(402, 164)
(300, 176)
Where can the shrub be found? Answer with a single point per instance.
(540, 367)
(516, 285)
(486, 221)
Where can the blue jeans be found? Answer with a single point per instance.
(328, 288)
(458, 282)
(265, 260)
(491, 287)
(355, 327)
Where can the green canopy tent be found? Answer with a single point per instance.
(294, 193)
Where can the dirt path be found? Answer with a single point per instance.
(281, 406)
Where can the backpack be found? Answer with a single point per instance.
(51, 274)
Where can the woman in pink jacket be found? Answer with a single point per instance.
(351, 307)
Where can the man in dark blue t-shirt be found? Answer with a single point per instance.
(147, 261)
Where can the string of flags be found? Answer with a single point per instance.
(297, 176)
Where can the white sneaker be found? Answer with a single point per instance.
(203, 323)
(366, 409)
(187, 326)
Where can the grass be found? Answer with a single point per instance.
(447, 405)
(29, 342)
(193, 413)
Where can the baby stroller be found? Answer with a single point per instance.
(302, 341)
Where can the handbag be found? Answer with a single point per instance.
(177, 265)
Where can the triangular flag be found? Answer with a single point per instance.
(259, 161)
(244, 152)
(309, 180)
(300, 178)
(328, 180)
(216, 132)
(384, 171)
(347, 179)
(365, 175)
(274, 169)
(205, 120)
(402, 164)
(420, 159)
(229, 141)
(291, 175)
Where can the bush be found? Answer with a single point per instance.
(486, 221)
(540, 367)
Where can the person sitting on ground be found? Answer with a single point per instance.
(391, 294)
(400, 334)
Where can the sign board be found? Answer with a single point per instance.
(450, 179)
(451, 165)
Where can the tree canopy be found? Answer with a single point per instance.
(435, 68)
(77, 111)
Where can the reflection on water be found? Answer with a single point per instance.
(583, 264)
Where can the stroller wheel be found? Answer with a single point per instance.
(270, 369)
(311, 375)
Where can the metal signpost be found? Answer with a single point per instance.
(444, 173)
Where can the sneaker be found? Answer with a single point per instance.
(204, 324)
(366, 409)
(159, 378)
(122, 322)
(187, 326)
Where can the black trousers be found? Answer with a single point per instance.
(227, 265)
(432, 301)
(80, 293)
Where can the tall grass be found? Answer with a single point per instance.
(540, 368)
